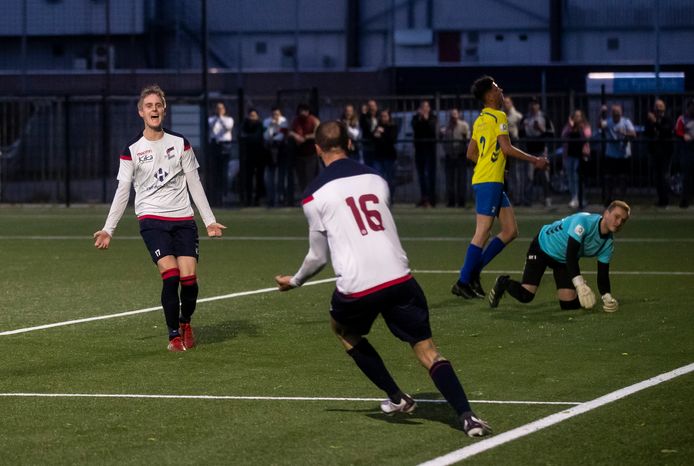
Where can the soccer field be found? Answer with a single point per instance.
(269, 384)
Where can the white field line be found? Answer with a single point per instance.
(260, 398)
(612, 272)
(454, 239)
(150, 309)
(268, 290)
(518, 432)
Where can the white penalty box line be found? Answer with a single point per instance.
(527, 429)
(261, 398)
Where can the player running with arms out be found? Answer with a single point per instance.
(558, 246)
(349, 221)
(162, 167)
(488, 148)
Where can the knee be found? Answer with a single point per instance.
(570, 305)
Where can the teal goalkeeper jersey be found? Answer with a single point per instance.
(584, 228)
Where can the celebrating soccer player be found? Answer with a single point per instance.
(349, 219)
(162, 167)
(559, 246)
(488, 148)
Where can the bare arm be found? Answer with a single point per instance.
(473, 151)
(510, 150)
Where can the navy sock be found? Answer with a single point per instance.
(368, 360)
(169, 300)
(516, 290)
(471, 264)
(447, 382)
(189, 297)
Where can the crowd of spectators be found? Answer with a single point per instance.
(277, 156)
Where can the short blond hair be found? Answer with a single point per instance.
(149, 90)
(621, 204)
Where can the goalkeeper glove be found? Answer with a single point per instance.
(585, 295)
(609, 304)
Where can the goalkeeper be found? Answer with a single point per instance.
(558, 246)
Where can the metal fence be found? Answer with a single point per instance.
(65, 149)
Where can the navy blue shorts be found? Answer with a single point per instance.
(170, 238)
(403, 307)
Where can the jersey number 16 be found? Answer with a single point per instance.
(373, 217)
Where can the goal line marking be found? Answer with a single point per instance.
(527, 429)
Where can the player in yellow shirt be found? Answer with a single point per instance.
(488, 148)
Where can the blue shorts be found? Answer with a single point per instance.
(403, 307)
(490, 198)
(170, 238)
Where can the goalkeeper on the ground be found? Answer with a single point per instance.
(558, 246)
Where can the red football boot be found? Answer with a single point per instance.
(188, 337)
(176, 345)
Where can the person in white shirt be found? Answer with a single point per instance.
(162, 167)
(220, 126)
(347, 208)
(275, 135)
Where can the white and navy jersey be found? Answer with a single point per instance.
(157, 170)
(350, 203)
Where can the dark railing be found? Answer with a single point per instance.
(59, 149)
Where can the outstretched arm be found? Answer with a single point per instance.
(200, 200)
(314, 262)
(102, 238)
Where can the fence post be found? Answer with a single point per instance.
(68, 149)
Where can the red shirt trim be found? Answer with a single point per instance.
(307, 200)
(382, 286)
(168, 219)
(125, 157)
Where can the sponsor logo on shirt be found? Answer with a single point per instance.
(170, 153)
(503, 127)
(146, 157)
(579, 230)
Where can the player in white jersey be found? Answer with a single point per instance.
(163, 169)
(350, 221)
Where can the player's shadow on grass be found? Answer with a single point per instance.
(545, 312)
(437, 412)
(224, 331)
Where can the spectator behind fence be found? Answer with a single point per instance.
(220, 125)
(367, 123)
(576, 152)
(685, 130)
(385, 155)
(619, 131)
(424, 129)
(455, 136)
(275, 134)
(303, 135)
(659, 131)
(536, 127)
(517, 170)
(254, 155)
(351, 121)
